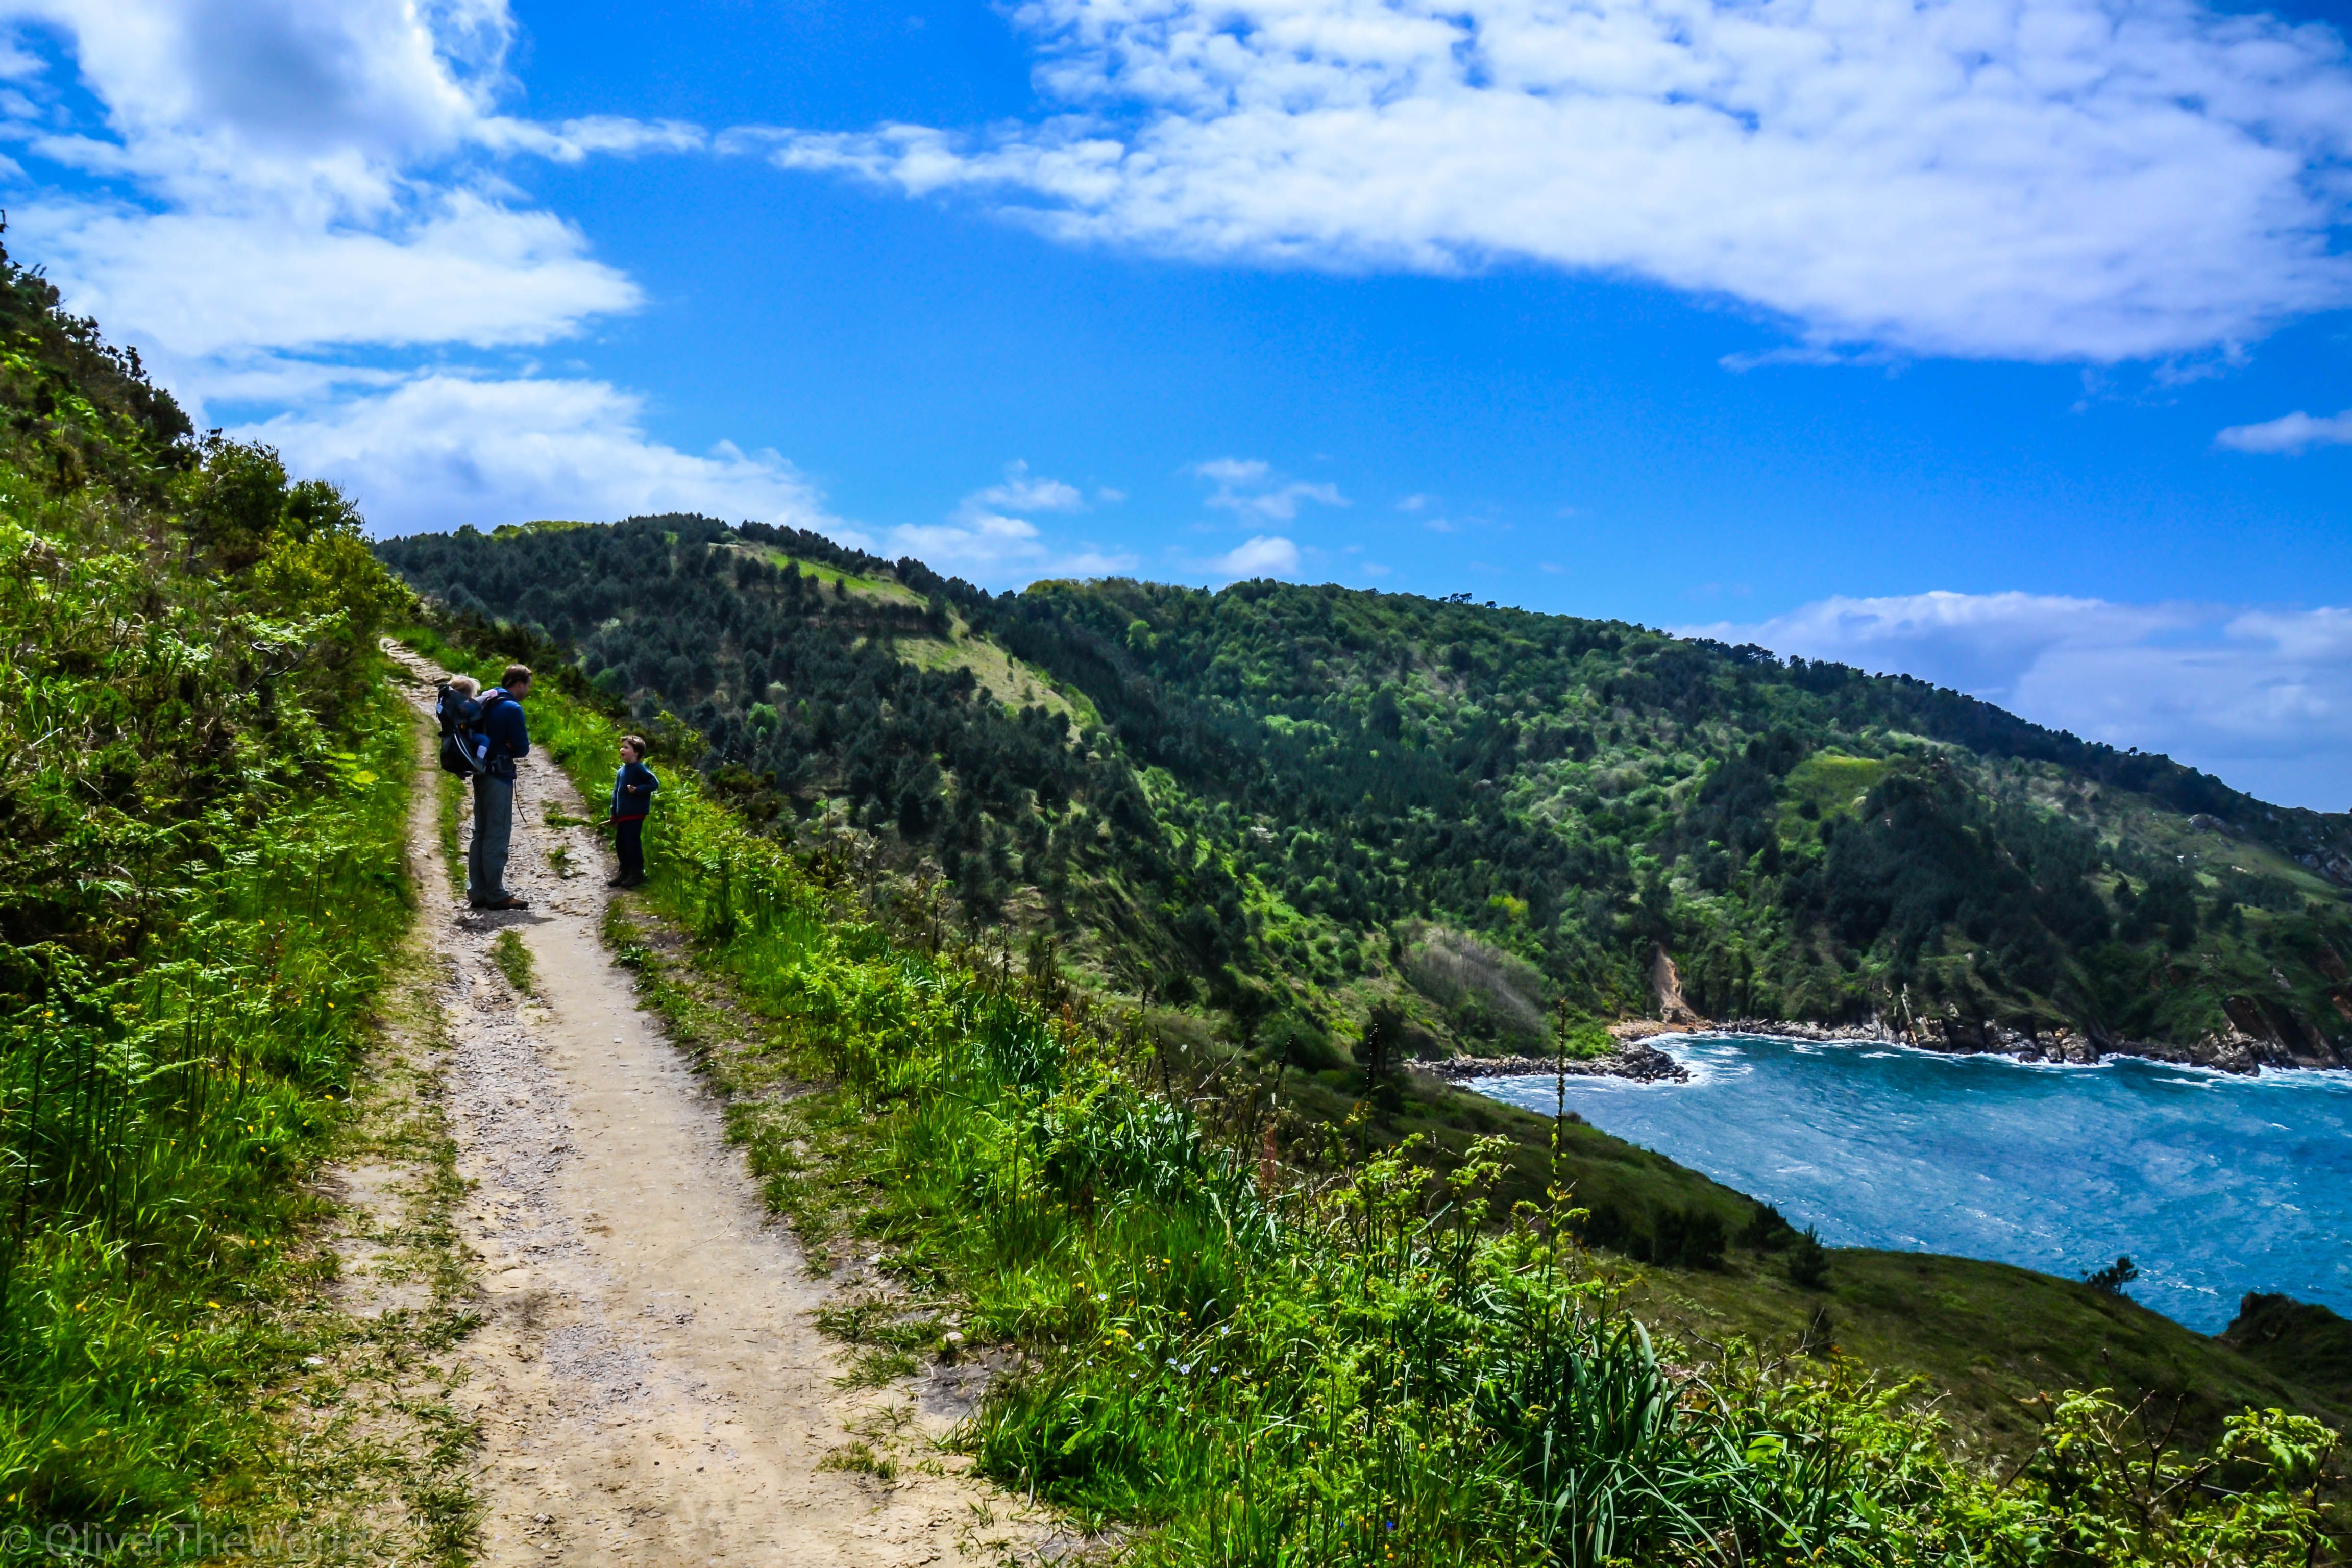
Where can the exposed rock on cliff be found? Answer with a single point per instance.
(2299, 1340)
(2235, 1050)
(1633, 1058)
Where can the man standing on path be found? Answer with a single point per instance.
(485, 860)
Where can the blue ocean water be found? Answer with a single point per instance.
(2215, 1185)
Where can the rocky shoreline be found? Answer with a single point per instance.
(2233, 1051)
(1633, 1059)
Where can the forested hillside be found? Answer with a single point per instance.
(1296, 802)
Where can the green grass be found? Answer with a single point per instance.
(375, 1450)
(1368, 1362)
(859, 1458)
(152, 1239)
(203, 891)
(513, 959)
(833, 577)
(1989, 1338)
(1013, 683)
(202, 888)
(2297, 1340)
(1831, 782)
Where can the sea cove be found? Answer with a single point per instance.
(2215, 1185)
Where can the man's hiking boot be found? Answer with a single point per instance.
(508, 902)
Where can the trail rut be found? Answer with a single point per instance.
(648, 1383)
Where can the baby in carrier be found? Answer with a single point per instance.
(459, 713)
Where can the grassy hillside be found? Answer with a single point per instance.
(200, 816)
(1294, 804)
(1992, 1341)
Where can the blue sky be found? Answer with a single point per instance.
(2000, 342)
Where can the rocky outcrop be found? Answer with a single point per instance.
(2237, 1049)
(2298, 1341)
(1635, 1059)
(1668, 981)
(2256, 1038)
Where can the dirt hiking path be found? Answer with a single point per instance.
(649, 1385)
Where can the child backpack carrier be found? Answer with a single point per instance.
(462, 747)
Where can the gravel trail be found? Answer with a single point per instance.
(648, 1383)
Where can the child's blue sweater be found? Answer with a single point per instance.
(633, 792)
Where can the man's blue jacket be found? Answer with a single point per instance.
(510, 738)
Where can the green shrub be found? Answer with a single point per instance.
(1808, 1262)
(2111, 1279)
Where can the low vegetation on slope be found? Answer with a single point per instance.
(1246, 1352)
(200, 801)
(1296, 802)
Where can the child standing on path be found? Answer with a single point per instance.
(633, 795)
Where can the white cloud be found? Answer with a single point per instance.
(574, 141)
(1025, 492)
(1260, 556)
(1983, 643)
(440, 451)
(1003, 552)
(281, 176)
(2294, 432)
(982, 541)
(2029, 179)
(1252, 488)
(203, 286)
(270, 190)
(2317, 636)
(327, 103)
(323, 102)
(2261, 698)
